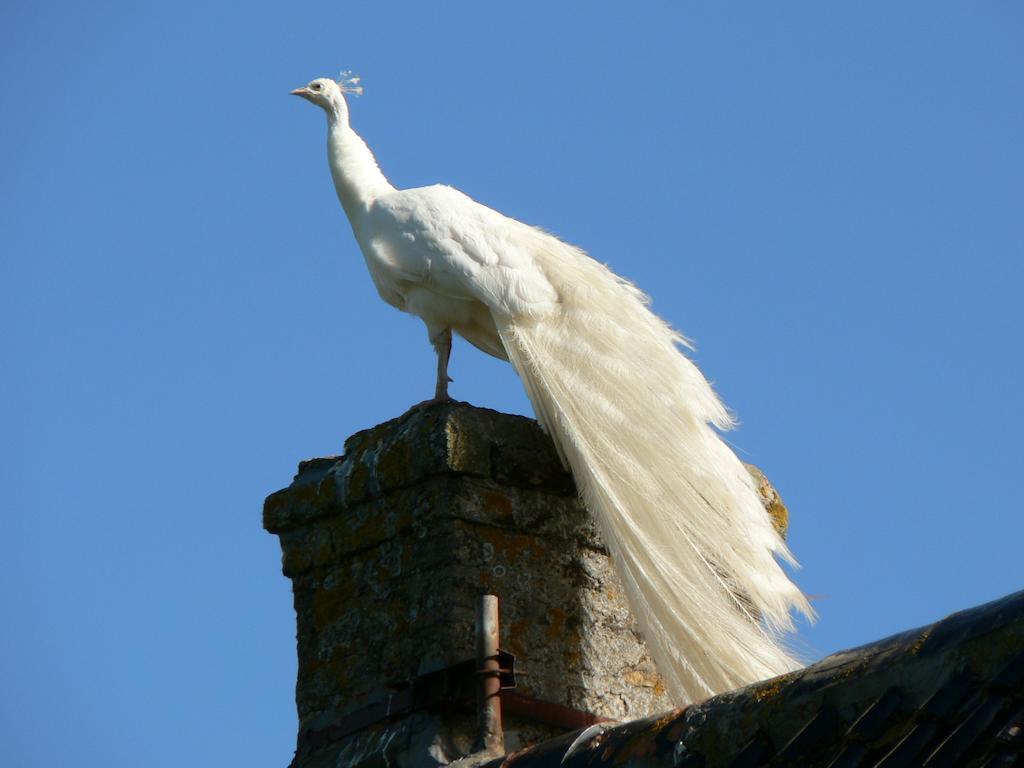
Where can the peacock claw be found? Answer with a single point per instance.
(425, 404)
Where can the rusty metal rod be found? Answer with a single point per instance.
(490, 737)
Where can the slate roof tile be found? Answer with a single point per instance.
(875, 719)
(821, 730)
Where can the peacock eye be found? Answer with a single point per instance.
(316, 86)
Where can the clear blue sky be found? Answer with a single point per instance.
(828, 200)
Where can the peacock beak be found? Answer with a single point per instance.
(300, 92)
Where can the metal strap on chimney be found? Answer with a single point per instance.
(457, 686)
(454, 687)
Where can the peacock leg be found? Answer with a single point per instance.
(443, 345)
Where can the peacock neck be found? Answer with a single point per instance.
(357, 178)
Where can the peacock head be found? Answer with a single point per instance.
(329, 94)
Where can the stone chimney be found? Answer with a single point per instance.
(390, 549)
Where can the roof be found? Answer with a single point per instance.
(949, 694)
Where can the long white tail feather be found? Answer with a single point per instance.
(633, 417)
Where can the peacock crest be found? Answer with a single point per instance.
(349, 83)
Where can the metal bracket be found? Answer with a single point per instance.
(453, 686)
(458, 687)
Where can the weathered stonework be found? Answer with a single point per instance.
(390, 546)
